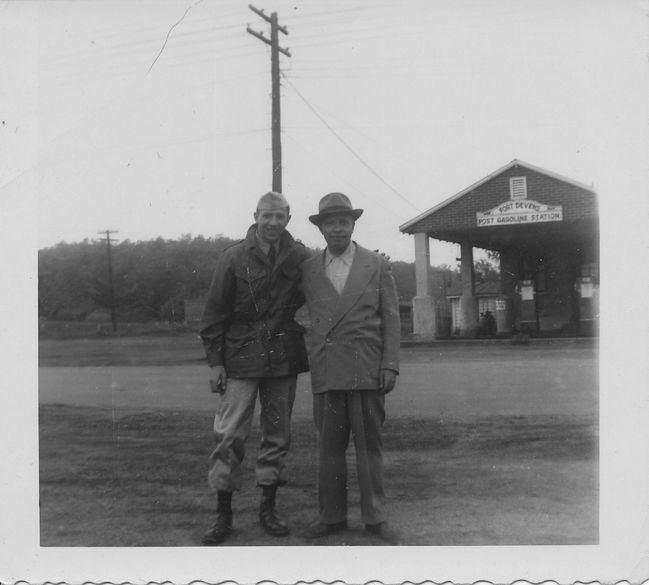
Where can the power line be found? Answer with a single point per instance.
(342, 178)
(342, 141)
(109, 51)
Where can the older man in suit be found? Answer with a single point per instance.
(353, 346)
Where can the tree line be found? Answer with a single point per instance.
(152, 279)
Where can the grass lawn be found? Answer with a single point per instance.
(139, 479)
(185, 348)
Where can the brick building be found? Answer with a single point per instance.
(546, 230)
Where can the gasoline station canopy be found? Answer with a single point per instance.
(546, 229)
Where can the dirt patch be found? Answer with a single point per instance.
(139, 479)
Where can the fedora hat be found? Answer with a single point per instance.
(334, 203)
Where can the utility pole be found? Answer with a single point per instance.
(111, 290)
(275, 28)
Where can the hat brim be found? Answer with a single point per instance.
(317, 219)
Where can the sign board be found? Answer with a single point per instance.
(527, 290)
(500, 305)
(519, 211)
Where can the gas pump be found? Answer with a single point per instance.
(588, 293)
(528, 306)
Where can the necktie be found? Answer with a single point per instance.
(271, 256)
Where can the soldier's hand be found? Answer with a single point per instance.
(387, 380)
(218, 379)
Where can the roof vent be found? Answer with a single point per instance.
(518, 187)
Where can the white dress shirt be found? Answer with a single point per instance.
(337, 267)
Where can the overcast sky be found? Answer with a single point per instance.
(153, 117)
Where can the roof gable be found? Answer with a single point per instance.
(549, 188)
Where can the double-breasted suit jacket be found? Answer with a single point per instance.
(355, 334)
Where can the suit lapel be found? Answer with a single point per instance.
(322, 288)
(360, 273)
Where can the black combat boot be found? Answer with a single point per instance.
(267, 517)
(222, 526)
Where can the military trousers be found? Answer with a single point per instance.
(232, 425)
(337, 413)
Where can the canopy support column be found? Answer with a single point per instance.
(468, 302)
(423, 305)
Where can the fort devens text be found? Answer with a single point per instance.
(519, 212)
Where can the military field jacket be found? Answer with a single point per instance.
(248, 325)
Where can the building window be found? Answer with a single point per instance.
(518, 187)
(486, 304)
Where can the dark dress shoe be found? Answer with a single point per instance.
(220, 530)
(321, 529)
(384, 532)
(271, 523)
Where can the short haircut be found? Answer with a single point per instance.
(275, 200)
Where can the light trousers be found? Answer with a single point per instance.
(337, 414)
(232, 425)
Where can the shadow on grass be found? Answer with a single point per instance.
(140, 480)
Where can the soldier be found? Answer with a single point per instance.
(254, 346)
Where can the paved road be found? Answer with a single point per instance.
(452, 381)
